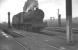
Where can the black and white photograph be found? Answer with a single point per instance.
(38, 24)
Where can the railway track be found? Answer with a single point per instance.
(29, 48)
(26, 47)
(14, 34)
(59, 29)
(5, 35)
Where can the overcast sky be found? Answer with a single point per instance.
(48, 6)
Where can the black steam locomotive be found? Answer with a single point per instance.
(29, 21)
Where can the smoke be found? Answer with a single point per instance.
(1, 1)
(30, 4)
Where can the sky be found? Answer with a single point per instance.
(50, 8)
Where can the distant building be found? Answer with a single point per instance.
(50, 21)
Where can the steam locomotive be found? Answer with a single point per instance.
(29, 21)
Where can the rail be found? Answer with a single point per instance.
(61, 29)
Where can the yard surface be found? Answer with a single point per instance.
(49, 40)
(52, 41)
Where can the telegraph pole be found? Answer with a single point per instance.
(69, 21)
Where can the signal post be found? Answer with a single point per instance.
(9, 24)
